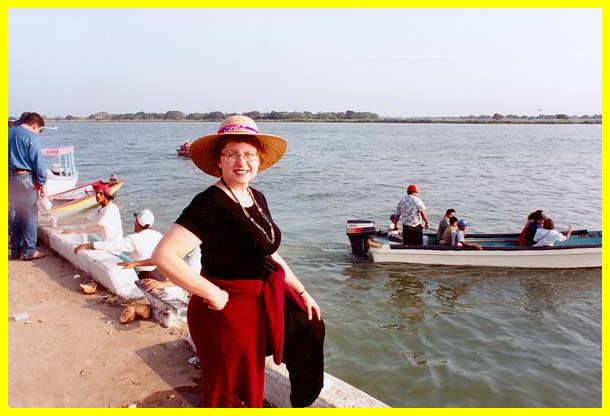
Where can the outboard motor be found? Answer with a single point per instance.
(359, 232)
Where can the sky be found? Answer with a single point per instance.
(393, 62)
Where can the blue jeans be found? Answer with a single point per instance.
(22, 214)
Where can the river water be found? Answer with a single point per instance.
(412, 336)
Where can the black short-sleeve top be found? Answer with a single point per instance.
(232, 247)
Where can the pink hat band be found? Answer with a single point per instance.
(231, 128)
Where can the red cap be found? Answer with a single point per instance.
(102, 187)
(412, 188)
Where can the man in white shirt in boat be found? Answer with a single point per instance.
(104, 221)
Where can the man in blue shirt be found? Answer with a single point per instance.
(27, 176)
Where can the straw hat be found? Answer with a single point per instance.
(201, 151)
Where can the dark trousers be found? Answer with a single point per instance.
(412, 236)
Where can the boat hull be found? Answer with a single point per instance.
(75, 200)
(57, 184)
(561, 258)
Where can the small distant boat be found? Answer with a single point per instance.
(78, 199)
(582, 249)
(62, 175)
(183, 152)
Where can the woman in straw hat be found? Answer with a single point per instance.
(236, 312)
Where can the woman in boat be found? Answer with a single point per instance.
(529, 229)
(237, 305)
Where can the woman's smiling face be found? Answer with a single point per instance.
(239, 163)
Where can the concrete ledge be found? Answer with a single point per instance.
(99, 264)
(169, 305)
(336, 392)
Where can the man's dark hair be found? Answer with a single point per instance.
(31, 118)
(449, 211)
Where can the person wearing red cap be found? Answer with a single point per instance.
(106, 220)
(412, 211)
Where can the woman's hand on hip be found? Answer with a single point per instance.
(218, 301)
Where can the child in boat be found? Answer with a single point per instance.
(547, 235)
(394, 230)
(458, 238)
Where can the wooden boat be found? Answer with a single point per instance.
(77, 199)
(582, 249)
(61, 176)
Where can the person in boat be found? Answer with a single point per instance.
(185, 146)
(105, 221)
(547, 235)
(533, 217)
(245, 291)
(537, 222)
(394, 229)
(27, 177)
(445, 239)
(442, 226)
(412, 211)
(458, 237)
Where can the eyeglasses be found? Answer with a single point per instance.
(234, 156)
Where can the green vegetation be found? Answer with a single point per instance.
(347, 116)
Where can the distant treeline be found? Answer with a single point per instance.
(350, 116)
(218, 115)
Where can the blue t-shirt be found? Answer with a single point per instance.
(25, 152)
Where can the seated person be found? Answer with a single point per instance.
(394, 230)
(159, 281)
(458, 237)
(140, 245)
(106, 220)
(547, 235)
(445, 239)
(442, 226)
(534, 221)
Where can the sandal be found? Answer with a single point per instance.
(37, 255)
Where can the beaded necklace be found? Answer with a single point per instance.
(262, 230)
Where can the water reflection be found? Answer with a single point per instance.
(410, 292)
(548, 290)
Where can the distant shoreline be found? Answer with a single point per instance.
(379, 121)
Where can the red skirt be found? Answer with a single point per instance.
(232, 343)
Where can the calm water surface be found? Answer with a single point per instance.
(412, 336)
